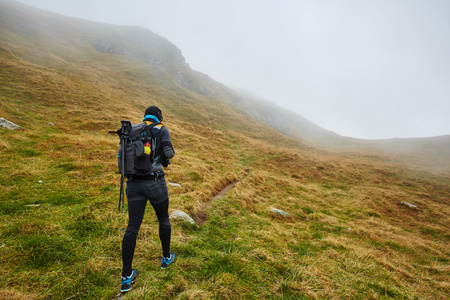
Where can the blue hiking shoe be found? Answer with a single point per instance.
(128, 281)
(167, 261)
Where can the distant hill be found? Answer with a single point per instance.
(430, 153)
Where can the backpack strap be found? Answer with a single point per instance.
(155, 131)
(156, 135)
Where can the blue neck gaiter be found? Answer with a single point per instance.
(151, 117)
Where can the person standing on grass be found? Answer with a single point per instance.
(141, 189)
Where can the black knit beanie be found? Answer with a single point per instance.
(155, 111)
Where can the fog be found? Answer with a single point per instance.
(366, 69)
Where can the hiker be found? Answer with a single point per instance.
(141, 188)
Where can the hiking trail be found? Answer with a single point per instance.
(201, 216)
(225, 190)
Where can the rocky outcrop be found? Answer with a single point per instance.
(152, 49)
(139, 43)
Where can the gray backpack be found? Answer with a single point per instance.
(140, 144)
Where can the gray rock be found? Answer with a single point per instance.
(182, 215)
(279, 212)
(410, 205)
(9, 125)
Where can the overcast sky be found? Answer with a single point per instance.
(367, 69)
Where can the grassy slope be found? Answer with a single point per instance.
(348, 236)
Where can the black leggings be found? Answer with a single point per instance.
(136, 210)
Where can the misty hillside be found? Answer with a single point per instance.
(355, 223)
(60, 41)
(431, 154)
(67, 37)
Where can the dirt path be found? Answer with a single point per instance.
(225, 190)
(202, 216)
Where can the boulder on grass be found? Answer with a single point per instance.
(8, 124)
(179, 214)
(279, 212)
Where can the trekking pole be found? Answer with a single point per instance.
(126, 128)
(122, 177)
(124, 133)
